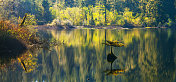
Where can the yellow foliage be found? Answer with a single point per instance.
(28, 62)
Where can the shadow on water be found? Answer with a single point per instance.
(13, 52)
(10, 48)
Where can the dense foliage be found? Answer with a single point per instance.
(94, 12)
(19, 33)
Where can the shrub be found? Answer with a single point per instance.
(55, 22)
(67, 23)
(22, 34)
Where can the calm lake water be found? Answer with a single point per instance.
(148, 55)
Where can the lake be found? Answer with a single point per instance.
(148, 55)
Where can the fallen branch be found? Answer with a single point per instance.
(24, 18)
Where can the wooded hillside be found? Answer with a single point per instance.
(93, 12)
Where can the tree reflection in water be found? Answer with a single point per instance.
(149, 56)
(28, 62)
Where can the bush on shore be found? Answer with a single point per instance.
(20, 33)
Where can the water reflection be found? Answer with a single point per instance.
(10, 49)
(28, 62)
(114, 43)
(111, 58)
(150, 55)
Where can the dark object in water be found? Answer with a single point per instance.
(111, 57)
(88, 79)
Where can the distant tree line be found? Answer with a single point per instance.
(94, 12)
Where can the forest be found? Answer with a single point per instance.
(126, 13)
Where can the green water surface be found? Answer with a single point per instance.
(149, 55)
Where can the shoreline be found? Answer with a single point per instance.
(60, 27)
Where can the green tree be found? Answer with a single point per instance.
(47, 17)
